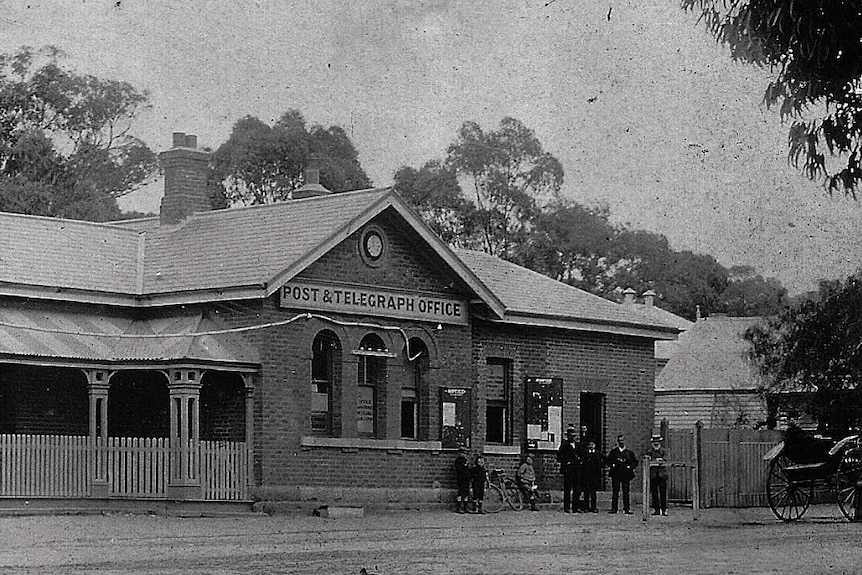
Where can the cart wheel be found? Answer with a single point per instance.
(848, 484)
(513, 495)
(788, 500)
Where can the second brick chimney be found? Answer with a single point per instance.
(186, 172)
(312, 187)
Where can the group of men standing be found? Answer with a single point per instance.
(581, 466)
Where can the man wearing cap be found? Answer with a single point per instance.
(570, 467)
(658, 475)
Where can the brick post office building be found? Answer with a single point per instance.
(326, 348)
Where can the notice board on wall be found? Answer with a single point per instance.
(455, 408)
(543, 412)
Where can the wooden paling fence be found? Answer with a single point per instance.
(732, 470)
(224, 470)
(69, 466)
(726, 463)
(45, 466)
(138, 467)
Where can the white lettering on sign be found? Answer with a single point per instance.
(323, 297)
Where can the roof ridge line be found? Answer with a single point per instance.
(282, 204)
(103, 225)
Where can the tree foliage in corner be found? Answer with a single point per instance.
(815, 47)
(261, 164)
(65, 146)
(812, 355)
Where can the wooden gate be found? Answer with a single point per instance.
(732, 470)
(680, 447)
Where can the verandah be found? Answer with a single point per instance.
(179, 434)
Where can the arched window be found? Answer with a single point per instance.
(371, 385)
(325, 374)
(413, 388)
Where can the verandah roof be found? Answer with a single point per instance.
(90, 337)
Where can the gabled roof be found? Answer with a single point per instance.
(712, 356)
(243, 252)
(251, 252)
(664, 349)
(531, 297)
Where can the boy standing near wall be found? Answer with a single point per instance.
(462, 481)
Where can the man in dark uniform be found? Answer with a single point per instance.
(622, 462)
(570, 467)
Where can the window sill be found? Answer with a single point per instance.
(501, 450)
(363, 443)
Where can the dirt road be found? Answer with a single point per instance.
(720, 541)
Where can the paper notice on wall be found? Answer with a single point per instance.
(449, 414)
(319, 402)
(555, 420)
(534, 431)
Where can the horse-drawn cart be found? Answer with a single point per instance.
(797, 467)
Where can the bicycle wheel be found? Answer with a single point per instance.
(513, 495)
(493, 501)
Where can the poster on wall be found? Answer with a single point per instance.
(455, 409)
(543, 412)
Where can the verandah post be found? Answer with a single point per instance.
(184, 388)
(98, 383)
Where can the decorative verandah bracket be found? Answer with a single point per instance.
(184, 387)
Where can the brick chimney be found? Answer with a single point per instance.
(186, 171)
(629, 296)
(311, 188)
(649, 298)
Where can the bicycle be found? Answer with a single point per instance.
(500, 491)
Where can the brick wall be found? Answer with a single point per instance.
(617, 366)
(222, 407)
(43, 400)
(620, 367)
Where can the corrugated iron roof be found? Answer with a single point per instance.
(52, 334)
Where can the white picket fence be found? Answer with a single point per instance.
(68, 466)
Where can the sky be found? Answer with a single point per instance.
(646, 113)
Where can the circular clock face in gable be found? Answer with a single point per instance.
(372, 246)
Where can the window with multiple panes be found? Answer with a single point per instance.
(371, 380)
(325, 363)
(498, 392)
(417, 361)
